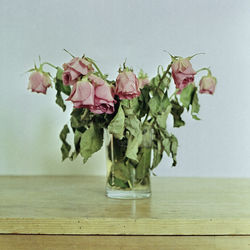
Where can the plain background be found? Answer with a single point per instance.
(110, 31)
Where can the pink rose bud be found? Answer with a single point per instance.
(104, 96)
(143, 82)
(82, 94)
(75, 68)
(127, 85)
(183, 73)
(39, 82)
(207, 84)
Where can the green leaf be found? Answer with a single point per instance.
(143, 101)
(195, 106)
(117, 182)
(122, 171)
(142, 169)
(196, 117)
(133, 125)
(186, 95)
(165, 103)
(81, 118)
(162, 118)
(133, 145)
(173, 149)
(166, 143)
(60, 101)
(116, 126)
(60, 87)
(77, 138)
(131, 107)
(155, 81)
(154, 104)
(176, 111)
(65, 148)
(157, 153)
(91, 141)
(59, 73)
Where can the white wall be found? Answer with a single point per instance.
(110, 31)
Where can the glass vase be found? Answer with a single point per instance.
(128, 179)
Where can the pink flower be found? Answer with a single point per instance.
(75, 68)
(183, 73)
(104, 96)
(127, 85)
(143, 82)
(39, 82)
(82, 94)
(207, 84)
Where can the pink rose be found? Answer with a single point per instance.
(127, 85)
(104, 96)
(207, 84)
(39, 82)
(143, 82)
(82, 94)
(75, 68)
(183, 73)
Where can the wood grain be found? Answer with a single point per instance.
(55, 242)
(77, 205)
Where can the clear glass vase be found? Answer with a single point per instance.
(128, 179)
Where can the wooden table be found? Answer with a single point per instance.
(73, 213)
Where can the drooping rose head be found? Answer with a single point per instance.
(82, 94)
(39, 82)
(75, 68)
(127, 85)
(207, 84)
(182, 73)
(104, 101)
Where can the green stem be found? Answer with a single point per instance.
(176, 91)
(190, 57)
(84, 114)
(51, 65)
(68, 53)
(164, 75)
(97, 68)
(161, 79)
(207, 69)
(145, 120)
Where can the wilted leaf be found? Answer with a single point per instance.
(195, 106)
(91, 142)
(116, 126)
(176, 111)
(65, 148)
(186, 95)
(133, 145)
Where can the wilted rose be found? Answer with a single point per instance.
(75, 68)
(207, 84)
(82, 94)
(183, 73)
(103, 96)
(127, 85)
(39, 82)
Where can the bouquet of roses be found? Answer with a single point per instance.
(132, 109)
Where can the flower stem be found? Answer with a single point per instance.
(176, 91)
(84, 114)
(51, 65)
(68, 52)
(145, 120)
(207, 69)
(97, 68)
(164, 75)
